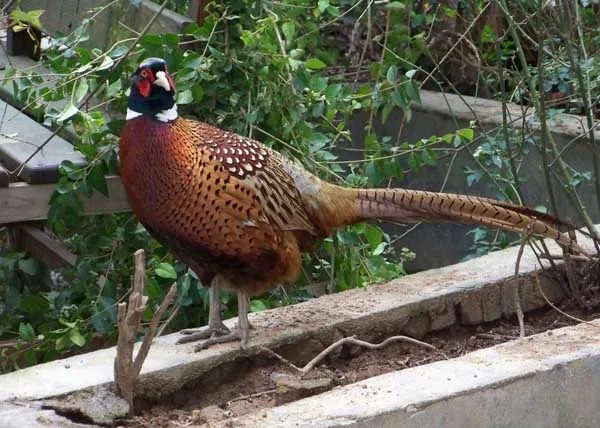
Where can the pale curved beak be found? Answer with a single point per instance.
(162, 81)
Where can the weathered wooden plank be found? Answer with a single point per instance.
(21, 202)
(137, 16)
(63, 16)
(43, 167)
(20, 136)
(41, 246)
(3, 177)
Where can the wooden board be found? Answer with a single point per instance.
(137, 17)
(20, 136)
(43, 167)
(3, 177)
(65, 15)
(20, 202)
(49, 251)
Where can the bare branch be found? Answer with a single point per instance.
(129, 318)
(345, 341)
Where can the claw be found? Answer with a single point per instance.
(194, 334)
(231, 337)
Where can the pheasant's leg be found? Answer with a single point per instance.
(243, 326)
(215, 324)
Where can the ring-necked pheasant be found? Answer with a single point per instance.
(239, 214)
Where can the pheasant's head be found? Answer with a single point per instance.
(152, 92)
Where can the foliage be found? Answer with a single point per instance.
(21, 20)
(271, 71)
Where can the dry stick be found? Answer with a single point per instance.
(528, 230)
(129, 318)
(251, 396)
(344, 341)
(560, 311)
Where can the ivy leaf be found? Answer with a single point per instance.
(257, 305)
(26, 331)
(395, 5)
(289, 30)
(315, 64)
(466, 133)
(80, 90)
(185, 97)
(379, 249)
(76, 337)
(429, 157)
(69, 111)
(165, 270)
(412, 90)
(30, 266)
(323, 5)
(107, 62)
(399, 98)
(96, 180)
(392, 74)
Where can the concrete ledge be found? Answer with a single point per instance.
(480, 289)
(547, 380)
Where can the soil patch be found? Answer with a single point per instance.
(255, 384)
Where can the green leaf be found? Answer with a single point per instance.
(30, 266)
(323, 5)
(81, 89)
(107, 62)
(399, 98)
(69, 111)
(185, 97)
(392, 74)
(165, 270)
(395, 5)
(257, 305)
(466, 133)
(96, 179)
(76, 337)
(315, 64)
(26, 331)
(289, 30)
(429, 157)
(31, 17)
(379, 249)
(412, 90)
(192, 60)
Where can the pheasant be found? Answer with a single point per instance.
(239, 214)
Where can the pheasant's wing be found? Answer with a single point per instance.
(256, 178)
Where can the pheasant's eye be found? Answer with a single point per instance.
(144, 74)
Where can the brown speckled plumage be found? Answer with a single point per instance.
(230, 207)
(234, 208)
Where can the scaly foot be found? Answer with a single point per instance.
(211, 332)
(231, 337)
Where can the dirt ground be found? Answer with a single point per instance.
(254, 385)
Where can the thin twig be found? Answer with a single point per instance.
(251, 396)
(345, 341)
(560, 311)
(517, 299)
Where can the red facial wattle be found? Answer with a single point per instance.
(144, 87)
